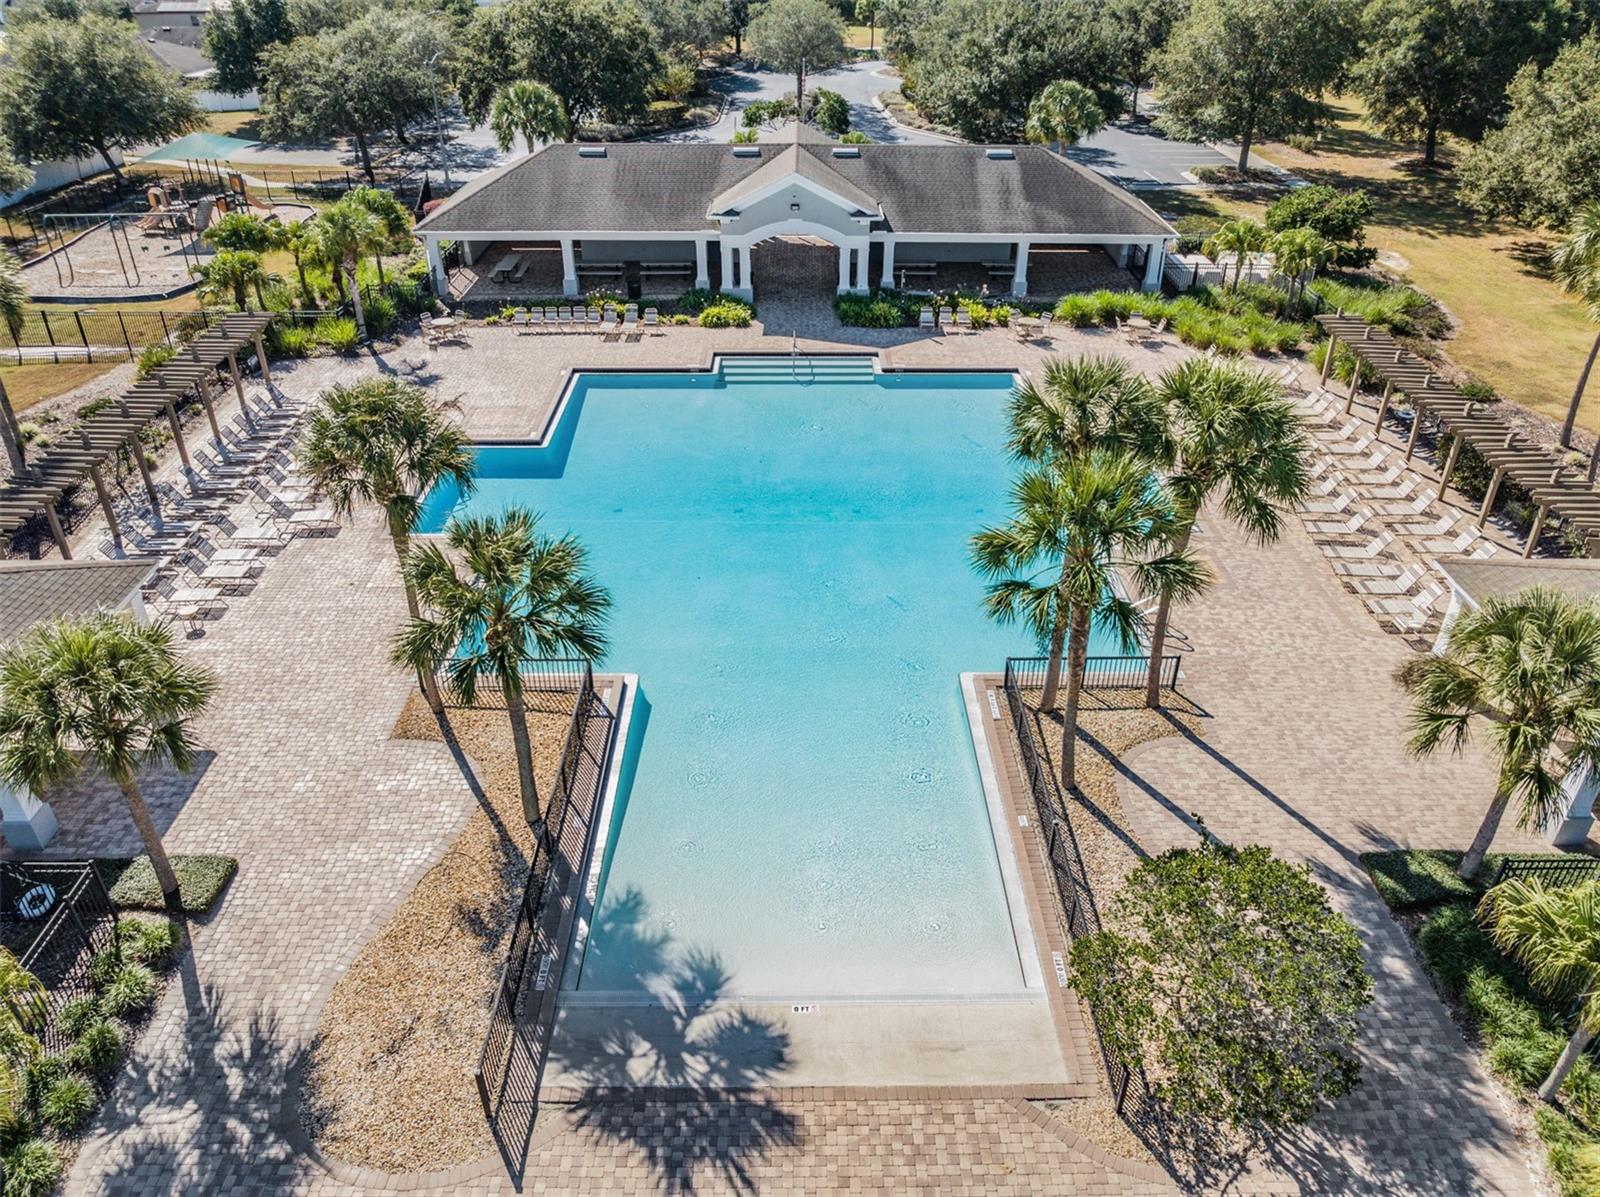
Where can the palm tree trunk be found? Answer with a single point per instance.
(11, 432)
(153, 846)
(519, 737)
(1077, 651)
(1577, 394)
(1473, 860)
(1569, 1056)
(1052, 670)
(425, 679)
(240, 299)
(355, 298)
(1158, 630)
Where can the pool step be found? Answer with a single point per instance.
(783, 368)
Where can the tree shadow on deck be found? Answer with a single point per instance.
(681, 1080)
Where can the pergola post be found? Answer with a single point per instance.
(105, 506)
(238, 389)
(1450, 461)
(1383, 405)
(144, 474)
(1490, 494)
(1327, 361)
(1355, 383)
(211, 414)
(1538, 527)
(1416, 429)
(261, 356)
(177, 435)
(56, 533)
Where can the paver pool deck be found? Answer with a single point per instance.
(333, 822)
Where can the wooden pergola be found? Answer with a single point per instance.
(83, 452)
(1554, 485)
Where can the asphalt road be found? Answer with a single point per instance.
(1134, 155)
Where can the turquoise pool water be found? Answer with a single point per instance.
(200, 145)
(789, 567)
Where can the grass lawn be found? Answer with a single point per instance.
(246, 126)
(38, 381)
(1517, 330)
(860, 37)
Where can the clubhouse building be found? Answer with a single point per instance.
(651, 218)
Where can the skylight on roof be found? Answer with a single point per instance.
(747, 151)
(846, 151)
(1000, 153)
(591, 151)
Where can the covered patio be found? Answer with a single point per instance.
(647, 219)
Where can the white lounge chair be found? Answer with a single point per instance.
(947, 317)
(1331, 506)
(925, 318)
(1408, 614)
(1347, 527)
(630, 322)
(1415, 507)
(1459, 543)
(1438, 527)
(1401, 583)
(1360, 552)
(652, 321)
(963, 320)
(1366, 569)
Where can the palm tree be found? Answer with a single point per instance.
(1078, 523)
(345, 233)
(242, 231)
(1527, 666)
(1298, 254)
(1062, 114)
(1080, 404)
(1576, 265)
(298, 237)
(1240, 238)
(518, 595)
(385, 441)
(1234, 438)
(102, 690)
(393, 221)
(232, 273)
(13, 308)
(528, 110)
(746, 136)
(1555, 935)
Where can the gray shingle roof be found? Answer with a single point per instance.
(35, 590)
(793, 161)
(1494, 577)
(666, 187)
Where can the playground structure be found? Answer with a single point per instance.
(105, 255)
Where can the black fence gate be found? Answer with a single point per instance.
(55, 917)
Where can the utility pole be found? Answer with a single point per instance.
(438, 123)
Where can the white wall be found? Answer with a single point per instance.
(50, 175)
(221, 101)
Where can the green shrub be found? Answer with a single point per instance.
(854, 137)
(93, 408)
(97, 1050)
(151, 357)
(132, 883)
(1340, 216)
(1473, 474)
(382, 315)
(1479, 390)
(146, 942)
(1344, 362)
(830, 112)
(290, 340)
(32, 1168)
(77, 1014)
(338, 333)
(103, 968)
(1194, 231)
(728, 314)
(878, 309)
(759, 112)
(1401, 310)
(692, 303)
(1306, 143)
(39, 1077)
(1574, 1156)
(1412, 879)
(67, 1104)
(130, 992)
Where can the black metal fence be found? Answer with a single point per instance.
(46, 335)
(513, 1050)
(1554, 872)
(1099, 673)
(55, 917)
(23, 226)
(1130, 1088)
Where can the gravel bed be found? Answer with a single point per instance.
(390, 1083)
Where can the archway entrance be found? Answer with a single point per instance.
(795, 279)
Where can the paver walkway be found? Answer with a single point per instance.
(332, 823)
(1304, 751)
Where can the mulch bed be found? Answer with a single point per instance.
(390, 1083)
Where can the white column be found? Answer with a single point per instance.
(727, 265)
(1578, 793)
(1019, 277)
(702, 275)
(1123, 251)
(844, 268)
(569, 268)
(441, 283)
(861, 271)
(1152, 266)
(887, 278)
(27, 823)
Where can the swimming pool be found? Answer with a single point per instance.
(789, 566)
